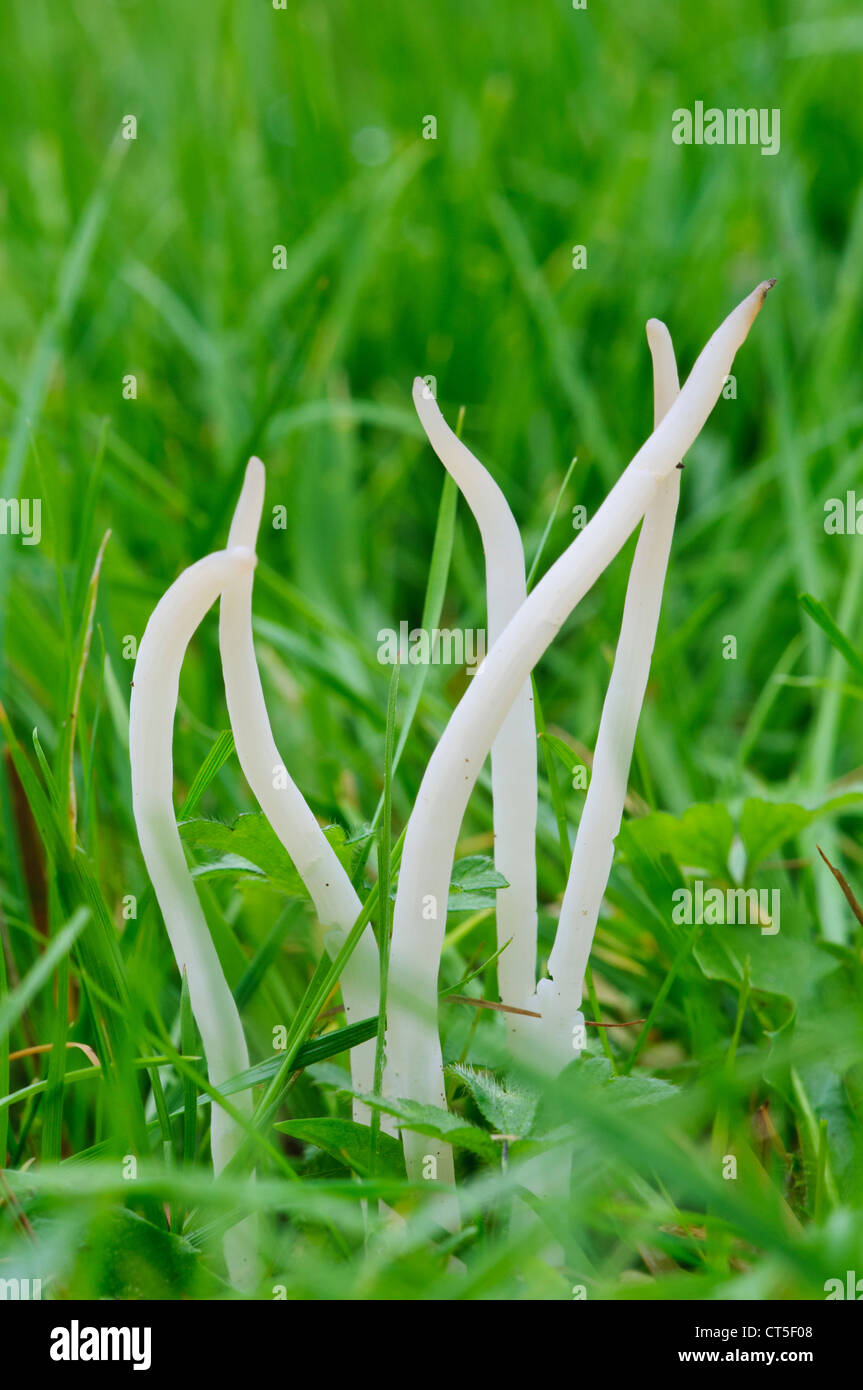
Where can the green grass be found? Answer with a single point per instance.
(449, 258)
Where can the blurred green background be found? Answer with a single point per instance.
(452, 257)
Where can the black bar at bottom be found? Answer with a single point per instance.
(622, 1338)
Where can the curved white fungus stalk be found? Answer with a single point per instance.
(545, 1175)
(513, 752)
(334, 896)
(414, 1063)
(151, 726)
(593, 853)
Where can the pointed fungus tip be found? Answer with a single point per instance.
(753, 303)
(250, 503)
(254, 478)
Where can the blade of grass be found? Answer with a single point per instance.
(266, 955)
(72, 1078)
(682, 955)
(820, 614)
(316, 994)
(254, 1136)
(188, 1045)
(385, 909)
(212, 765)
(551, 520)
(99, 955)
(4, 1062)
(13, 1004)
(65, 768)
(766, 698)
(456, 988)
(820, 1181)
(52, 1108)
(70, 281)
(162, 1118)
(557, 800)
(432, 608)
(576, 390)
(844, 885)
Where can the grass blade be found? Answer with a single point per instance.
(819, 614)
(4, 1063)
(188, 1045)
(70, 281)
(385, 906)
(209, 769)
(432, 607)
(13, 1004)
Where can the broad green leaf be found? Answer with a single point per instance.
(231, 865)
(349, 1143)
(766, 825)
(474, 884)
(438, 1124)
(133, 1259)
(655, 872)
(250, 845)
(780, 965)
(331, 1074)
(699, 839)
(508, 1106)
(590, 1077)
(627, 1090)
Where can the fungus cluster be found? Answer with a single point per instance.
(494, 716)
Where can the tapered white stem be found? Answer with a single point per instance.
(414, 1056)
(558, 998)
(335, 899)
(151, 725)
(513, 752)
